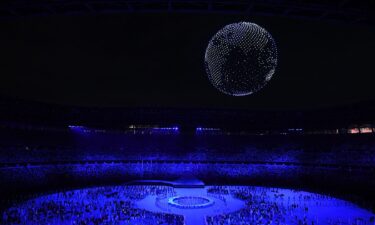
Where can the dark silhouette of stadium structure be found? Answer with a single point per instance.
(344, 11)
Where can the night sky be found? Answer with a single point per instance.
(157, 60)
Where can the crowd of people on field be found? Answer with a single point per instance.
(281, 206)
(117, 205)
(93, 206)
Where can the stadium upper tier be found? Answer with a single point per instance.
(78, 146)
(28, 113)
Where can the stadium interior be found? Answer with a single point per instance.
(107, 115)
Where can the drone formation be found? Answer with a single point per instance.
(240, 59)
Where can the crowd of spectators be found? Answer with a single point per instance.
(118, 205)
(280, 206)
(33, 146)
(93, 206)
(49, 159)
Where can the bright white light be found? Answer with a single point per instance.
(241, 58)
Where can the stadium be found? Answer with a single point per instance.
(129, 112)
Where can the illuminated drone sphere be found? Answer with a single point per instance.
(241, 58)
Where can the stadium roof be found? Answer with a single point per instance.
(345, 11)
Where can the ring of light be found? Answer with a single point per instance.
(202, 202)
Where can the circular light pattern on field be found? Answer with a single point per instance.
(241, 58)
(190, 202)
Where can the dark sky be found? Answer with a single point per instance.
(158, 60)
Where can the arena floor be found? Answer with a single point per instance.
(151, 204)
(192, 216)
